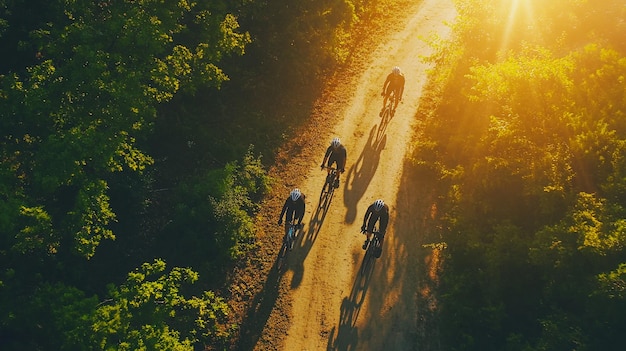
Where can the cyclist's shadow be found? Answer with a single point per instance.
(307, 238)
(382, 125)
(346, 335)
(361, 173)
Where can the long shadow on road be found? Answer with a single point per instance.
(259, 311)
(305, 243)
(361, 173)
(345, 336)
(264, 302)
(401, 293)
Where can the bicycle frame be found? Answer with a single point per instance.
(290, 236)
(391, 100)
(328, 189)
(330, 178)
(369, 258)
(288, 240)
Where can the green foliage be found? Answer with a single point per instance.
(73, 120)
(37, 235)
(308, 36)
(527, 145)
(613, 283)
(75, 112)
(92, 206)
(150, 312)
(68, 311)
(83, 87)
(53, 316)
(213, 218)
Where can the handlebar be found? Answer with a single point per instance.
(330, 168)
(298, 226)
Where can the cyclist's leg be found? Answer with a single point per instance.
(289, 217)
(381, 237)
(286, 229)
(299, 217)
(289, 221)
(396, 98)
(367, 239)
(379, 249)
(386, 97)
(368, 233)
(329, 163)
(370, 228)
(336, 164)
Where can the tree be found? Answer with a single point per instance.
(74, 117)
(527, 142)
(150, 312)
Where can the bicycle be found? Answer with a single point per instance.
(387, 113)
(370, 252)
(289, 240)
(329, 184)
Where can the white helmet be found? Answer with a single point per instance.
(336, 142)
(295, 194)
(378, 205)
(396, 70)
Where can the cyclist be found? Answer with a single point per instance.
(377, 211)
(293, 209)
(395, 83)
(336, 153)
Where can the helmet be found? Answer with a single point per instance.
(295, 194)
(378, 204)
(336, 142)
(396, 70)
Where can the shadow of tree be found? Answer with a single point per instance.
(259, 312)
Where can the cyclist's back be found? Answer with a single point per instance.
(394, 82)
(293, 208)
(335, 154)
(376, 212)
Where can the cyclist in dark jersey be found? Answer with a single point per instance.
(378, 211)
(335, 153)
(395, 83)
(294, 208)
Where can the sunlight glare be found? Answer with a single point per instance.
(519, 12)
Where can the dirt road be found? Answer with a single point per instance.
(324, 302)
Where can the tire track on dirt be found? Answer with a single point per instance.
(330, 305)
(318, 303)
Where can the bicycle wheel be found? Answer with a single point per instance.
(331, 186)
(291, 236)
(376, 251)
(367, 259)
(392, 102)
(384, 120)
(282, 255)
(324, 192)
